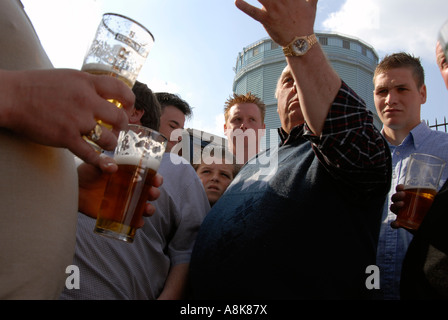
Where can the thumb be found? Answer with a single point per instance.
(107, 164)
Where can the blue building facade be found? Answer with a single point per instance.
(260, 64)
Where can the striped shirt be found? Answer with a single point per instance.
(349, 140)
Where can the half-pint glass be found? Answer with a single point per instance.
(138, 156)
(420, 186)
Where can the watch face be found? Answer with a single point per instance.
(300, 46)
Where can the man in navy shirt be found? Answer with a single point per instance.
(301, 221)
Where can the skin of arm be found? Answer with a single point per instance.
(176, 283)
(317, 82)
(57, 107)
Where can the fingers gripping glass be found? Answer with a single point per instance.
(420, 187)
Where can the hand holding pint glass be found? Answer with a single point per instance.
(420, 187)
(138, 156)
(119, 49)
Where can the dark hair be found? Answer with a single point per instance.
(146, 100)
(170, 99)
(402, 60)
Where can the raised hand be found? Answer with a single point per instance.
(283, 19)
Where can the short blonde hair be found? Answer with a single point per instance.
(244, 98)
(226, 157)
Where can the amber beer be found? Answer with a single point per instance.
(125, 197)
(417, 202)
(100, 69)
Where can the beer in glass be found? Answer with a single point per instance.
(138, 157)
(420, 186)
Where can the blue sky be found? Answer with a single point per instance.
(197, 41)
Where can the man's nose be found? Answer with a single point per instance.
(390, 99)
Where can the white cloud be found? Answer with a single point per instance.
(64, 37)
(365, 15)
(390, 26)
(158, 85)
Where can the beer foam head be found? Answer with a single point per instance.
(135, 161)
(97, 67)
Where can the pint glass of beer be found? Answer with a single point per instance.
(138, 155)
(119, 49)
(420, 186)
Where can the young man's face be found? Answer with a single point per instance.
(397, 98)
(216, 178)
(171, 119)
(244, 129)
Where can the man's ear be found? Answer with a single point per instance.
(423, 94)
(136, 115)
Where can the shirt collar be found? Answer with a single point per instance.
(295, 133)
(416, 136)
(420, 134)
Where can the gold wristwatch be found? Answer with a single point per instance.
(299, 46)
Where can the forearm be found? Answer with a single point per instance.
(8, 82)
(351, 147)
(57, 107)
(176, 283)
(317, 86)
(349, 139)
(316, 81)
